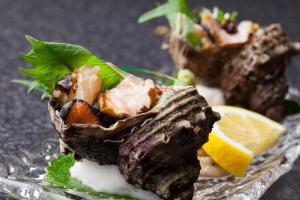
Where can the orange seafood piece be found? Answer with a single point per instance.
(133, 95)
(78, 112)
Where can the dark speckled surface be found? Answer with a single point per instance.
(109, 29)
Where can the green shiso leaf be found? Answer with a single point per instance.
(51, 61)
(184, 8)
(159, 11)
(189, 32)
(32, 85)
(171, 17)
(290, 108)
(109, 74)
(172, 6)
(58, 175)
(170, 10)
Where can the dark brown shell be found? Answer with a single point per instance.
(156, 150)
(207, 64)
(255, 78)
(65, 84)
(94, 142)
(161, 155)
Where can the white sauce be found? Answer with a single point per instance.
(214, 96)
(107, 178)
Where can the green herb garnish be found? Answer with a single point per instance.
(190, 33)
(51, 61)
(219, 14)
(32, 85)
(172, 6)
(58, 175)
(182, 20)
(233, 16)
(173, 10)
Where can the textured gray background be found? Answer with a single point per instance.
(109, 29)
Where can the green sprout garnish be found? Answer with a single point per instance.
(182, 20)
(233, 16)
(179, 17)
(221, 16)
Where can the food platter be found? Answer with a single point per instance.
(22, 173)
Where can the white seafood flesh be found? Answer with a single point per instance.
(88, 84)
(131, 96)
(244, 30)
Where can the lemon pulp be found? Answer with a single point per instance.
(238, 136)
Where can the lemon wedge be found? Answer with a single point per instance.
(238, 136)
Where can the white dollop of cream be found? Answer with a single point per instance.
(214, 96)
(107, 178)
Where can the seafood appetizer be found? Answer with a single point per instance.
(121, 136)
(128, 135)
(243, 61)
(256, 77)
(201, 40)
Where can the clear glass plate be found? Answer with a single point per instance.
(21, 174)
